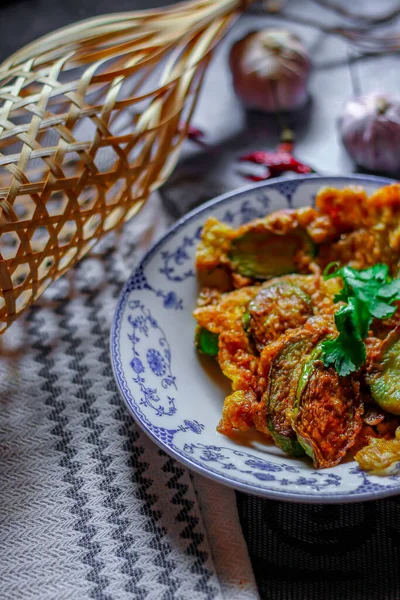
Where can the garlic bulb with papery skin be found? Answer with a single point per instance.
(370, 131)
(270, 70)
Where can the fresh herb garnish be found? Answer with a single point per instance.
(369, 294)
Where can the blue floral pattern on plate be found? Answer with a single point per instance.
(144, 333)
(174, 398)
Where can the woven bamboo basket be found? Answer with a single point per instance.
(92, 118)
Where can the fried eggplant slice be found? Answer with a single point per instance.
(260, 253)
(327, 412)
(320, 292)
(281, 363)
(275, 245)
(275, 309)
(381, 456)
(384, 374)
(280, 368)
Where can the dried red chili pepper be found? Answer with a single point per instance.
(278, 161)
(194, 134)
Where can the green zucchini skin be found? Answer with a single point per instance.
(284, 373)
(261, 253)
(288, 443)
(384, 374)
(326, 415)
(206, 342)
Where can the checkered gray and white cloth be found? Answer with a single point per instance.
(89, 507)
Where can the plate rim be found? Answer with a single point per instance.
(303, 498)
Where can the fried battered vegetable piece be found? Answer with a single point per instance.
(237, 361)
(360, 249)
(226, 319)
(369, 229)
(226, 312)
(384, 206)
(212, 263)
(282, 361)
(375, 428)
(387, 196)
(347, 209)
(381, 457)
(277, 308)
(281, 366)
(384, 374)
(241, 411)
(237, 412)
(320, 291)
(327, 412)
(284, 302)
(270, 247)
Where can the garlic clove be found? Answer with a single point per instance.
(270, 69)
(369, 127)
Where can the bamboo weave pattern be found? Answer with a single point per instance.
(92, 118)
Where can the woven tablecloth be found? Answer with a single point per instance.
(89, 507)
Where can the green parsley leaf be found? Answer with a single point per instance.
(360, 317)
(346, 352)
(391, 290)
(342, 354)
(369, 294)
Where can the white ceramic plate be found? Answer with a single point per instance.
(177, 398)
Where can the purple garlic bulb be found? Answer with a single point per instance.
(370, 131)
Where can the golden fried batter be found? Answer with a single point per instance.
(242, 411)
(381, 456)
(327, 419)
(225, 313)
(269, 313)
(275, 309)
(236, 360)
(280, 366)
(212, 262)
(361, 249)
(237, 411)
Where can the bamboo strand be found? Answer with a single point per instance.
(92, 118)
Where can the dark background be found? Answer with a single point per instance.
(298, 552)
